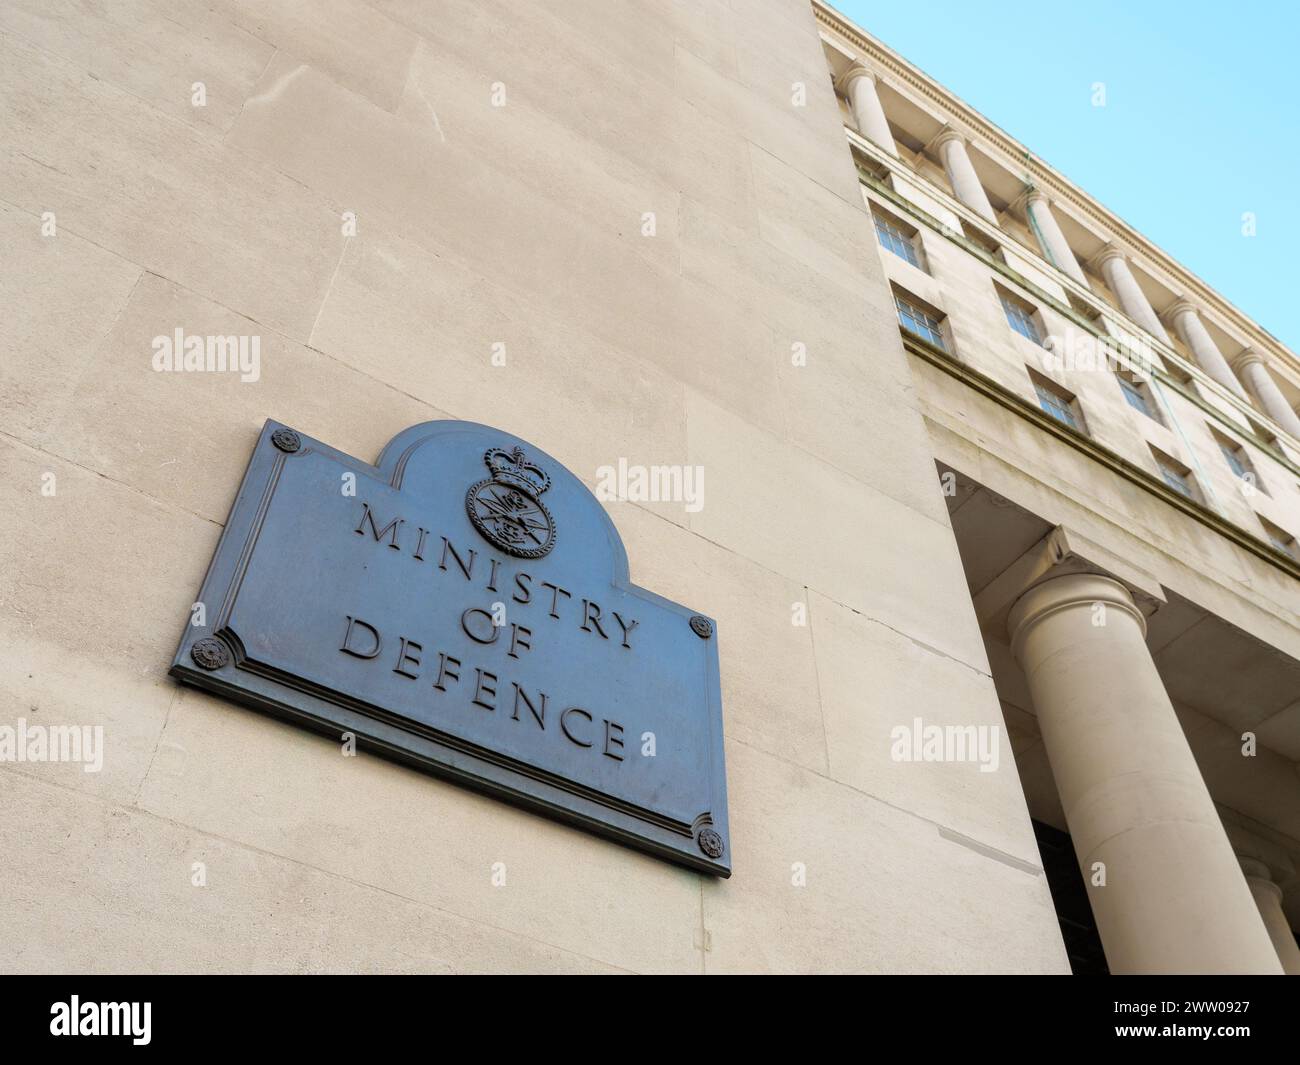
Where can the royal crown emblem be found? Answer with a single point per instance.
(505, 507)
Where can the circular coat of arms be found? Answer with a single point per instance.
(506, 509)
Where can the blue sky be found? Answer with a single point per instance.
(1199, 126)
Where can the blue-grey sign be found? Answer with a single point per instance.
(463, 606)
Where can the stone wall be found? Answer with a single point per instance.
(476, 225)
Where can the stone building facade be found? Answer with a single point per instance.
(744, 239)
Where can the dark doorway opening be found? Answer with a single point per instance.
(1070, 897)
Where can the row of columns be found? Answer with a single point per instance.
(1249, 366)
(1166, 889)
(859, 85)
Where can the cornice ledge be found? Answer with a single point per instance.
(999, 394)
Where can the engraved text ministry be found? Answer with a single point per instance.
(487, 626)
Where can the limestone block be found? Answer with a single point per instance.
(765, 637)
(802, 518)
(154, 49)
(874, 680)
(834, 413)
(772, 283)
(914, 192)
(236, 774)
(446, 198)
(98, 580)
(348, 40)
(1026, 265)
(452, 338)
(914, 281)
(116, 705)
(580, 81)
(119, 173)
(617, 196)
(885, 891)
(776, 120)
(185, 437)
(100, 888)
(96, 570)
(61, 295)
(828, 233)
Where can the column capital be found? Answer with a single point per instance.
(1256, 867)
(1247, 357)
(1263, 883)
(1030, 194)
(1109, 252)
(1182, 305)
(945, 135)
(1062, 552)
(851, 75)
(1061, 593)
(1261, 879)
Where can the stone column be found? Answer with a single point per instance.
(1253, 371)
(1174, 899)
(966, 186)
(1187, 323)
(1268, 897)
(1132, 299)
(1056, 249)
(859, 85)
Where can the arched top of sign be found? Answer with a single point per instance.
(519, 499)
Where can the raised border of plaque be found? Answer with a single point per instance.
(301, 562)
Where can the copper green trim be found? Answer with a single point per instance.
(991, 389)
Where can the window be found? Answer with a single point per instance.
(1020, 316)
(1280, 539)
(920, 320)
(977, 236)
(1085, 309)
(1057, 402)
(1234, 454)
(1234, 460)
(1181, 374)
(1264, 433)
(897, 237)
(1176, 475)
(1138, 394)
(868, 165)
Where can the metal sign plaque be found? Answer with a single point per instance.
(463, 606)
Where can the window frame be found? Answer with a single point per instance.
(1017, 308)
(886, 224)
(1238, 460)
(1064, 398)
(981, 239)
(1185, 482)
(1131, 385)
(1279, 539)
(934, 334)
